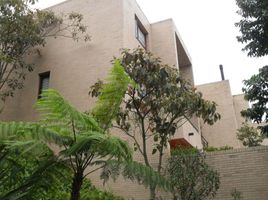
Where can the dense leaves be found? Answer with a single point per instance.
(256, 91)
(22, 29)
(111, 95)
(81, 143)
(78, 135)
(253, 26)
(31, 176)
(191, 177)
(249, 136)
(156, 104)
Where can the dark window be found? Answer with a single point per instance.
(141, 32)
(43, 82)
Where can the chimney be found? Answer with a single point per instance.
(222, 73)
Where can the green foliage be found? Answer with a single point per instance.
(253, 26)
(256, 91)
(157, 104)
(78, 134)
(223, 148)
(28, 176)
(191, 178)
(160, 102)
(249, 136)
(236, 195)
(89, 192)
(134, 171)
(111, 95)
(83, 145)
(22, 29)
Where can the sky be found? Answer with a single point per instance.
(209, 34)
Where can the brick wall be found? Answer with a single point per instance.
(244, 169)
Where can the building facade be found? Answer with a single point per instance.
(72, 67)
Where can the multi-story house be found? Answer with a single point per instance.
(72, 67)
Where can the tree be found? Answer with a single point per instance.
(84, 146)
(249, 136)
(253, 26)
(28, 175)
(156, 103)
(256, 91)
(22, 29)
(191, 177)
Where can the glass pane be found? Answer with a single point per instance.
(45, 83)
(141, 37)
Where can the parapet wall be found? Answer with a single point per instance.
(245, 170)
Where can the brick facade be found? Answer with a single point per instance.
(245, 170)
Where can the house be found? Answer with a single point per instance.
(72, 68)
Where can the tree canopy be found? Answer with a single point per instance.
(253, 26)
(157, 101)
(191, 177)
(256, 91)
(22, 29)
(249, 136)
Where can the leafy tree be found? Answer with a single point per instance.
(22, 29)
(84, 146)
(249, 136)
(28, 176)
(191, 177)
(157, 102)
(253, 26)
(31, 176)
(256, 91)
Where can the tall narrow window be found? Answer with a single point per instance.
(43, 82)
(141, 32)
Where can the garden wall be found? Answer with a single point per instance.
(245, 170)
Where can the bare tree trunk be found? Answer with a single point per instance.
(76, 185)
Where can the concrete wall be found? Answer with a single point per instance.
(239, 104)
(242, 169)
(224, 131)
(74, 66)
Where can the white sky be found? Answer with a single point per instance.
(208, 31)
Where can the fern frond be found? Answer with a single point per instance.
(48, 171)
(20, 132)
(111, 95)
(101, 145)
(134, 171)
(12, 130)
(56, 110)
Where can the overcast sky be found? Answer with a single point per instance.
(208, 31)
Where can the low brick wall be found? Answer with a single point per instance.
(245, 170)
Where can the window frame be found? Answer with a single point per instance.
(140, 28)
(42, 76)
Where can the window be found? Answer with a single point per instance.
(141, 32)
(43, 82)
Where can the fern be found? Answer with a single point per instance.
(82, 142)
(56, 111)
(101, 145)
(111, 95)
(134, 171)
